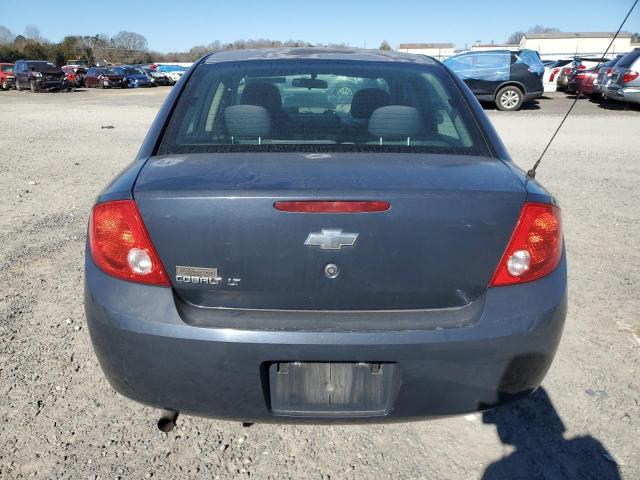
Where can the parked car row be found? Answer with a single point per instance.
(40, 75)
(613, 79)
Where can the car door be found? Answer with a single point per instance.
(491, 69)
(483, 72)
(22, 74)
(90, 78)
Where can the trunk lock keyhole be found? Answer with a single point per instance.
(331, 270)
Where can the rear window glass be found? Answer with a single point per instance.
(532, 60)
(7, 68)
(320, 105)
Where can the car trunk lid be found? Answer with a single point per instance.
(437, 246)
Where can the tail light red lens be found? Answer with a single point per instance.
(535, 247)
(338, 206)
(630, 76)
(554, 72)
(120, 245)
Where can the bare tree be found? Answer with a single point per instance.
(6, 36)
(515, 37)
(131, 41)
(98, 47)
(31, 32)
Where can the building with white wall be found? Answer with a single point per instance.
(438, 51)
(554, 45)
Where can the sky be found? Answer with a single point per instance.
(177, 25)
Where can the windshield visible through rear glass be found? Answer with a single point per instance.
(321, 105)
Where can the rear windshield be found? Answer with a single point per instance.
(7, 68)
(319, 105)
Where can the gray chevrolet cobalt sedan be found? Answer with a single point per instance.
(285, 250)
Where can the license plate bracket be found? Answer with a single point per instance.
(327, 389)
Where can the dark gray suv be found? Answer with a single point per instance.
(380, 260)
(503, 77)
(38, 75)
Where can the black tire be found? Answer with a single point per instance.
(509, 99)
(18, 87)
(102, 84)
(5, 86)
(34, 89)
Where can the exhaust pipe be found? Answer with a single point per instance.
(167, 420)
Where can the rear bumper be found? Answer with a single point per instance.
(624, 94)
(533, 95)
(149, 354)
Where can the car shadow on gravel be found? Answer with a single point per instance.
(533, 426)
(532, 105)
(620, 106)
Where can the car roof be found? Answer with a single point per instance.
(300, 53)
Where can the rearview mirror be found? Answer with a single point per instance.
(309, 83)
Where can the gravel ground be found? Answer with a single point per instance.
(60, 419)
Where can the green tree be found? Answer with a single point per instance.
(37, 51)
(385, 46)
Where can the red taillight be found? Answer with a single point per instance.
(630, 76)
(567, 71)
(120, 245)
(553, 74)
(338, 206)
(535, 247)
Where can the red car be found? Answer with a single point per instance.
(74, 75)
(584, 81)
(7, 77)
(103, 78)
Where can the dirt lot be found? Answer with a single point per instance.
(60, 419)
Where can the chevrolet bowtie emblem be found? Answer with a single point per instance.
(331, 239)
